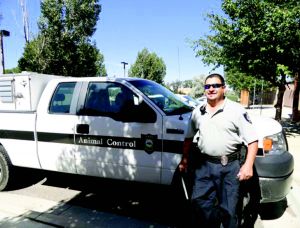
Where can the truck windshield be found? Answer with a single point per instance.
(167, 101)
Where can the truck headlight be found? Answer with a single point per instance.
(275, 144)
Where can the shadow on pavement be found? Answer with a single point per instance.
(25, 177)
(269, 211)
(290, 127)
(151, 203)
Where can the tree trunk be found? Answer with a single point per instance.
(278, 105)
(295, 113)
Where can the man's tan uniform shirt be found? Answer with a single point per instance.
(222, 132)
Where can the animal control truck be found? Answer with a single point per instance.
(123, 128)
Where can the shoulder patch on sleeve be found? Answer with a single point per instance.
(203, 109)
(247, 118)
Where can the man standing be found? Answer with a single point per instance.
(221, 126)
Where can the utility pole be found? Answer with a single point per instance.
(124, 66)
(2, 34)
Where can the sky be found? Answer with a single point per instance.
(125, 28)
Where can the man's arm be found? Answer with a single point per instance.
(246, 171)
(187, 144)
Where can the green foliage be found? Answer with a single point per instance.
(198, 86)
(255, 37)
(149, 66)
(174, 86)
(187, 83)
(239, 81)
(63, 45)
(12, 70)
(260, 38)
(232, 95)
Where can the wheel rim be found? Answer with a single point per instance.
(1, 173)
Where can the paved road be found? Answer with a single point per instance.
(49, 200)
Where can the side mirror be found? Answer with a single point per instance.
(137, 100)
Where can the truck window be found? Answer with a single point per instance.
(167, 101)
(62, 98)
(106, 98)
(116, 101)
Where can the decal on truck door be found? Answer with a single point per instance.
(149, 143)
(106, 141)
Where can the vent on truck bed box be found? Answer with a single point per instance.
(6, 91)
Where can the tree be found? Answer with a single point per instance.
(174, 86)
(12, 70)
(260, 38)
(198, 86)
(63, 45)
(240, 81)
(148, 65)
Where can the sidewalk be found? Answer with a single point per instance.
(27, 211)
(269, 111)
(290, 127)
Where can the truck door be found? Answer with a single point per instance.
(55, 129)
(118, 135)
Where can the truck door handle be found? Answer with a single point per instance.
(83, 128)
(175, 131)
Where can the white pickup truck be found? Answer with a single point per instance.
(123, 128)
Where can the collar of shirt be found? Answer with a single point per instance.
(204, 110)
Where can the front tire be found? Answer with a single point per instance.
(5, 169)
(273, 210)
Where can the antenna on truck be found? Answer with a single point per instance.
(25, 20)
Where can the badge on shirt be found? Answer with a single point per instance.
(246, 116)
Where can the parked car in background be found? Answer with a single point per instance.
(201, 99)
(188, 100)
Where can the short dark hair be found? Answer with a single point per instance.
(215, 75)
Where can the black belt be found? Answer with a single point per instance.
(224, 159)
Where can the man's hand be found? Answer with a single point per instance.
(245, 173)
(183, 165)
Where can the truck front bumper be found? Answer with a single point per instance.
(275, 189)
(275, 176)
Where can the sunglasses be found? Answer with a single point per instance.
(215, 86)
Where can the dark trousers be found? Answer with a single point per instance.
(215, 194)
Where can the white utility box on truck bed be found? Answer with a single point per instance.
(21, 92)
